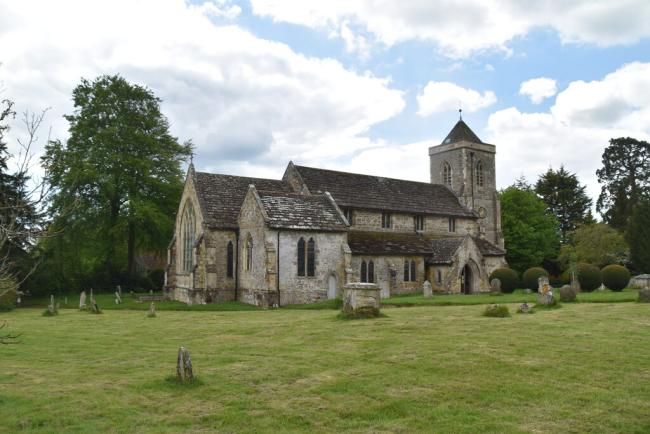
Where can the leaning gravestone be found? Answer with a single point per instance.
(427, 291)
(82, 300)
(184, 366)
(118, 299)
(495, 286)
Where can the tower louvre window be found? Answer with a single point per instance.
(446, 173)
(480, 180)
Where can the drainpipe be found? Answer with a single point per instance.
(471, 159)
(235, 258)
(277, 268)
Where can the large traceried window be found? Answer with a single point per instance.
(306, 257)
(248, 262)
(188, 237)
(230, 266)
(479, 174)
(446, 173)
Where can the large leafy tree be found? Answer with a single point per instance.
(597, 244)
(116, 182)
(530, 232)
(638, 236)
(565, 198)
(625, 176)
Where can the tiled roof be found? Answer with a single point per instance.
(221, 196)
(487, 248)
(296, 211)
(461, 132)
(378, 193)
(444, 249)
(388, 243)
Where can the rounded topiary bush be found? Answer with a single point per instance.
(589, 277)
(530, 276)
(496, 311)
(508, 277)
(616, 277)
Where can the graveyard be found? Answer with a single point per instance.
(578, 368)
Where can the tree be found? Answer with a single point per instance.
(625, 176)
(638, 236)
(566, 199)
(530, 232)
(597, 244)
(117, 181)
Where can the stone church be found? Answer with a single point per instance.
(300, 239)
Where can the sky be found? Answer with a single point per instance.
(356, 85)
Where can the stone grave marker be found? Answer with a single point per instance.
(184, 366)
(82, 300)
(495, 286)
(427, 291)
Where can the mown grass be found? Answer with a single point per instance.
(582, 368)
(518, 296)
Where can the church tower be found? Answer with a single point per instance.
(466, 165)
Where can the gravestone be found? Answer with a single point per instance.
(495, 286)
(642, 281)
(184, 366)
(119, 289)
(118, 299)
(544, 291)
(644, 296)
(567, 293)
(524, 308)
(427, 291)
(361, 299)
(152, 310)
(82, 300)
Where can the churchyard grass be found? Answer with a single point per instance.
(582, 368)
(518, 296)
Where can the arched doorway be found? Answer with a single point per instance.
(331, 287)
(466, 280)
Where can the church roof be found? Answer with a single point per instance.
(444, 249)
(379, 193)
(388, 243)
(461, 132)
(302, 212)
(487, 248)
(221, 196)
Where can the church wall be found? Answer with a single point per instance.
(218, 286)
(370, 220)
(438, 285)
(440, 226)
(296, 289)
(389, 273)
(254, 287)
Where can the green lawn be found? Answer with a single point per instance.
(519, 296)
(581, 368)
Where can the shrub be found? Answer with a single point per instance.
(508, 277)
(616, 277)
(8, 300)
(530, 276)
(157, 277)
(589, 277)
(496, 311)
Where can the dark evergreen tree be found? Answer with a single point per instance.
(117, 181)
(638, 236)
(625, 176)
(565, 198)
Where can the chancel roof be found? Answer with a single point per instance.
(301, 212)
(378, 193)
(461, 132)
(221, 196)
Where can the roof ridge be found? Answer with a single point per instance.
(369, 176)
(238, 176)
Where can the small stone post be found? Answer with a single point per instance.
(152, 310)
(184, 366)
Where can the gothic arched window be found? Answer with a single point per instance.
(306, 257)
(248, 263)
(364, 272)
(301, 257)
(406, 271)
(371, 272)
(311, 257)
(230, 267)
(479, 174)
(413, 276)
(446, 173)
(188, 237)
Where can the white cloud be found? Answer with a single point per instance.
(442, 96)
(249, 104)
(461, 28)
(538, 89)
(576, 129)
